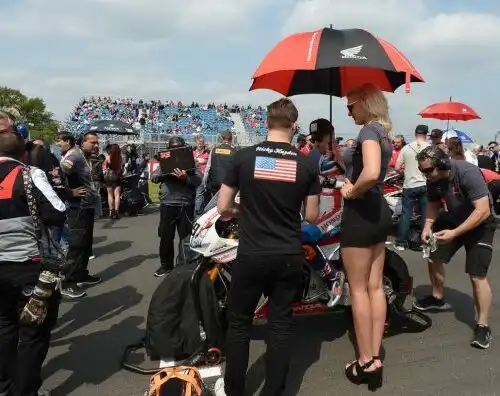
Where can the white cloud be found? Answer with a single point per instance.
(127, 20)
(454, 51)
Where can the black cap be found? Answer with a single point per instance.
(422, 130)
(436, 133)
(176, 141)
(319, 125)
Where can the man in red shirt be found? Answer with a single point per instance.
(303, 144)
(398, 143)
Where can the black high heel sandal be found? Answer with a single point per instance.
(358, 375)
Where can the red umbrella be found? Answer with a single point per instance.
(455, 111)
(332, 62)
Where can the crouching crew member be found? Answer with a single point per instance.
(466, 222)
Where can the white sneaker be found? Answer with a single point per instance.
(43, 392)
(219, 387)
(92, 257)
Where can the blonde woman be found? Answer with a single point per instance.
(366, 223)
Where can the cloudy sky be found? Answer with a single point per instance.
(207, 50)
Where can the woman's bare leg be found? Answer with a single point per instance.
(117, 192)
(377, 297)
(357, 264)
(111, 198)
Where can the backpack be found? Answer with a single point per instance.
(178, 381)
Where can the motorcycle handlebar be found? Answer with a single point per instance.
(332, 183)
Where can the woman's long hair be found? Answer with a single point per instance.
(375, 103)
(115, 157)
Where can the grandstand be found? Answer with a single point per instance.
(157, 121)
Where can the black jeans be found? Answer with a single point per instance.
(172, 219)
(23, 349)
(280, 278)
(81, 235)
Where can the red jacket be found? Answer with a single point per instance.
(201, 156)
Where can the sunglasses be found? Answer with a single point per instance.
(351, 105)
(426, 171)
(491, 148)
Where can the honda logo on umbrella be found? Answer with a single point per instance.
(352, 53)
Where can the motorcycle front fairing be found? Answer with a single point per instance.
(205, 239)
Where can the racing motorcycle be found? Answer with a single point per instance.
(393, 193)
(216, 241)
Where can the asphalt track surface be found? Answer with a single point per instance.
(92, 332)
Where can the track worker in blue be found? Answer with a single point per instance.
(24, 346)
(467, 222)
(273, 180)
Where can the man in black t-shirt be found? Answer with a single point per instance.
(466, 222)
(273, 179)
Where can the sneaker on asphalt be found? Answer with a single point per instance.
(399, 247)
(43, 392)
(89, 280)
(92, 257)
(161, 272)
(73, 292)
(430, 303)
(219, 387)
(482, 337)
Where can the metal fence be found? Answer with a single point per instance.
(151, 147)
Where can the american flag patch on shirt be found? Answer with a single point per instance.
(268, 168)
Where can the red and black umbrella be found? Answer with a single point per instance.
(455, 111)
(332, 62)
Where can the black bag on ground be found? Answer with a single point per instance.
(132, 201)
(173, 323)
(172, 329)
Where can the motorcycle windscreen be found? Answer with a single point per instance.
(213, 202)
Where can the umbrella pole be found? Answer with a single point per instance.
(331, 110)
(331, 89)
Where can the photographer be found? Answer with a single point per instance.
(466, 222)
(23, 345)
(177, 196)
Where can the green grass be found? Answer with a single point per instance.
(154, 190)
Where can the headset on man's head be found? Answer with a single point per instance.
(439, 159)
(18, 126)
(22, 129)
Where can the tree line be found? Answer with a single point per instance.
(33, 111)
